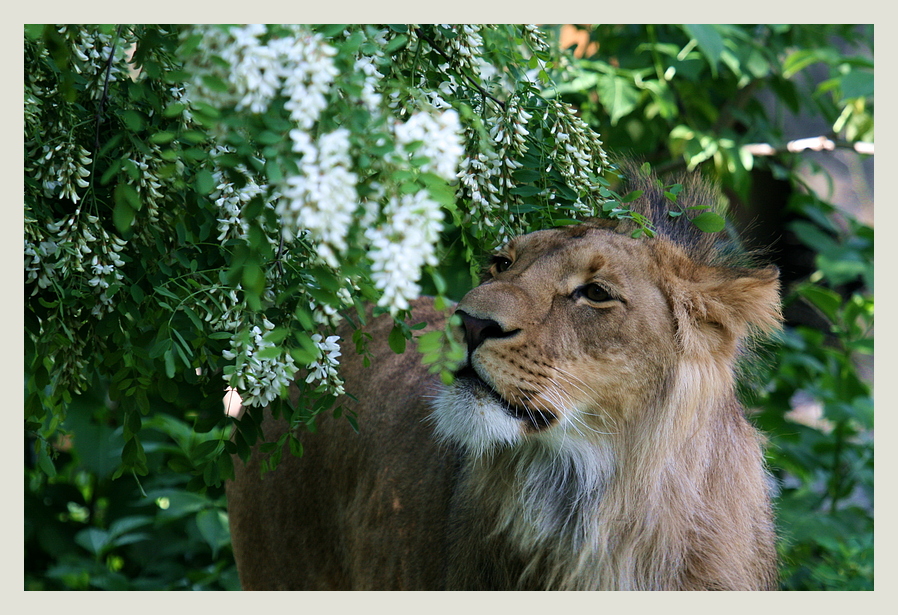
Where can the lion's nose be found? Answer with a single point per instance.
(476, 330)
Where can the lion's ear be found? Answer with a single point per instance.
(723, 305)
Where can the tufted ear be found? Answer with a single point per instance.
(718, 306)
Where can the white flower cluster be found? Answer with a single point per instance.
(104, 270)
(324, 370)
(231, 200)
(64, 251)
(224, 310)
(476, 177)
(62, 170)
(40, 265)
(322, 198)
(438, 139)
(486, 172)
(464, 48)
(147, 183)
(91, 58)
(300, 67)
(32, 106)
(328, 315)
(535, 38)
(259, 380)
(578, 151)
(367, 65)
(510, 131)
(179, 94)
(401, 247)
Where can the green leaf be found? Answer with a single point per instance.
(526, 190)
(123, 216)
(396, 43)
(213, 526)
(180, 503)
(133, 453)
(132, 424)
(801, 59)
(206, 449)
(331, 30)
(618, 95)
(295, 447)
(174, 110)
(709, 222)
(93, 539)
(273, 170)
(128, 194)
(205, 183)
(709, 42)
(170, 362)
(827, 301)
(856, 84)
(397, 340)
(269, 352)
(161, 138)
(44, 462)
(430, 342)
(34, 30)
(134, 120)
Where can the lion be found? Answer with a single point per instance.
(591, 440)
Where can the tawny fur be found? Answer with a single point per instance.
(647, 475)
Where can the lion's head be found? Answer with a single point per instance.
(574, 332)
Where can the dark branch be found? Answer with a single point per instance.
(105, 97)
(420, 33)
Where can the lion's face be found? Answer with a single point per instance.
(569, 334)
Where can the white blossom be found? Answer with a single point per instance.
(299, 66)
(438, 134)
(62, 170)
(258, 380)
(402, 246)
(322, 198)
(324, 369)
(536, 38)
(91, 54)
(370, 96)
(309, 72)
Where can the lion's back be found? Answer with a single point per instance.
(357, 508)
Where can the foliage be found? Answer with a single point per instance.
(84, 530)
(694, 97)
(204, 204)
(825, 466)
(204, 214)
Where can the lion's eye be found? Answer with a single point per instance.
(501, 263)
(596, 293)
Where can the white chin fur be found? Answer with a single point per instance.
(476, 422)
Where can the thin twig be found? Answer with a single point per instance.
(278, 260)
(420, 33)
(105, 95)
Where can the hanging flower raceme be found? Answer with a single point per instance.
(257, 68)
(322, 197)
(402, 246)
(63, 170)
(437, 137)
(259, 379)
(324, 369)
